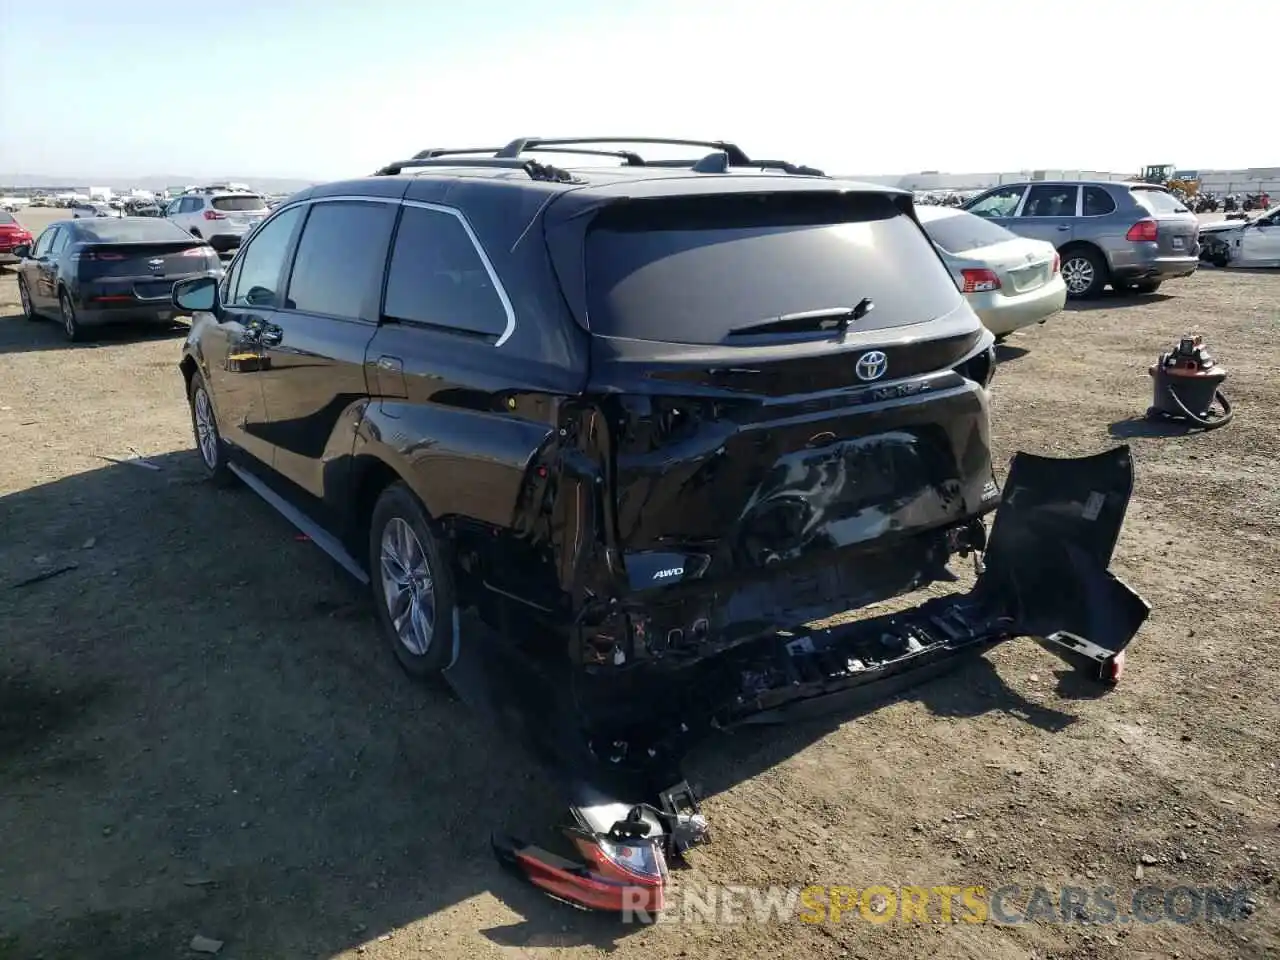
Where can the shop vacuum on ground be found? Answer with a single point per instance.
(1187, 387)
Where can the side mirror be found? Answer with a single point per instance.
(21, 251)
(199, 294)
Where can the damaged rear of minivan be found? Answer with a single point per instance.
(785, 418)
(786, 406)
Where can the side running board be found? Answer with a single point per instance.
(321, 537)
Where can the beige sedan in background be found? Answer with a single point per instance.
(1010, 281)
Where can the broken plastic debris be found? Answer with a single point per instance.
(201, 944)
(132, 461)
(46, 574)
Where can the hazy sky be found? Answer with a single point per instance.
(309, 89)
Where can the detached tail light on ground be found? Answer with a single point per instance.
(1144, 230)
(979, 281)
(623, 878)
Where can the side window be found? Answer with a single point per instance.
(59, 242)
(261, 263)
(998, 203)
(45, 242)
(1097, 202)
(1051, 200)
(229, 281)
(438, 277)
(340, 258)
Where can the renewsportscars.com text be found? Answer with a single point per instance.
(1007, 904)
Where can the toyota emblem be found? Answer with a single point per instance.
(871, 365)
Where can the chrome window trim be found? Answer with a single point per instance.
(1114, 206)
(507, 308)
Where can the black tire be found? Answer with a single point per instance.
(70, 324)
(1090, 269)
(398, 509)
(1147, 286)
(210, 446)
(24, 298)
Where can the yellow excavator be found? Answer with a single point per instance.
(1163, 174)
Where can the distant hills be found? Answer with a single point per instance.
(153, 182)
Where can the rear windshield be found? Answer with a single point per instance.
(691, 270)
(142, 230)
(1157, 201)
(239, 203)
(957, 232)
(6, 217)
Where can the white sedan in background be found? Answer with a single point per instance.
(1242, 243)
(1010, 281)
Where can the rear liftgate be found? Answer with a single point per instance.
(1046, 576)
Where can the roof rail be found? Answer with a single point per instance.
(535, 170)
(631, 158)
(714, 163)
(725, 156)
(737, 157)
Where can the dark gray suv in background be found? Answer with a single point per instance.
(1133, 236)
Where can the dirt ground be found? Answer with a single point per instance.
(199, 733)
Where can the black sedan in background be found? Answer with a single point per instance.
(89, 273)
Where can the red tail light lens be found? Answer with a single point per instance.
(979, 281)
(214, 215)
(1144, 230)
(96, 256)
(1057, 263)
(198, 252)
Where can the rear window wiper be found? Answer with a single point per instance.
(823, 321)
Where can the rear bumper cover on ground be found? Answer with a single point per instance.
(1046, 576)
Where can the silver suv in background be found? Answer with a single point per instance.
(220, 216)
(1133, 236)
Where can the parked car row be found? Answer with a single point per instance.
(1130, 236)
(91, 272)
(1010, 281)
(13, 238)
(219, 215)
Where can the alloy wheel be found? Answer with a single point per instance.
(206, 428)
(408, 586)
(69, 318)
(1078, 274)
